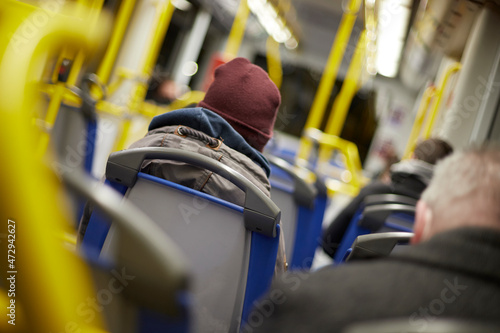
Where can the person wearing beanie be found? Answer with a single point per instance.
(408, 177)
(232, 124)
(246, 98)
(238, 111)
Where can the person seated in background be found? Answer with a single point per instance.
(408, 177)
(232, 124)
(450, 271)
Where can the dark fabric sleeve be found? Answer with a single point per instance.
(333, 235)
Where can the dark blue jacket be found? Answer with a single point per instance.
(212, 124)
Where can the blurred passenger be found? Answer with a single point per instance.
(232, 125)
(451, 270)
(163, 90)
(408, 177)
(390, 158)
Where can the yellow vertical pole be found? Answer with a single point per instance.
(437, 100)
(237, 30)
(50, 118)
(330, 73)
(119, 29)
(419, 120)
(349, 88)
(94, 8)
(45, 270)
(122, 140)
(162, 19)
(344, 98)
(274, 61)
(164, 12)
(91, 15)
(354, 163)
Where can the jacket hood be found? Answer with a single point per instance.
(214, 125)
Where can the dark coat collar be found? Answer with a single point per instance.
(473, 251)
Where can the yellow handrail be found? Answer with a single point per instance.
(164, 12)
(46, 272)
(121, 23)
(237, 30)
(274, 61)
(50, 117)
(150, 110)
(191, 97)
(352, 178)
(329, 74)
(349, 88)
(89, 11)
(71, 99)
(437, 100)
(344, 98)
(427, 96)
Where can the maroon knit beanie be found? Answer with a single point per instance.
(246, 98)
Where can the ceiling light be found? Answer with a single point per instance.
(393, 18)
(273, 24)
(182, 4)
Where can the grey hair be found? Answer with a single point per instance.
(465, 185)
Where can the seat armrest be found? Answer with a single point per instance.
(304, 193)
(377, 245)
(375, 199)
(373, 217)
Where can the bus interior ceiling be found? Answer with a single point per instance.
(361, 82)
(435, 34)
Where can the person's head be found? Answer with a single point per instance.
(244, 95)
(464, 192)
(432, 150)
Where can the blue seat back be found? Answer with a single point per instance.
(232, 255)
(379, 213)
(302, 207)
(73, 138)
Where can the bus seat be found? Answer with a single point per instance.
(379, 213)
(73, 139)
(302, 206)
(144, 288)
(374, 199)
(377, 245)
(74, 134)
(232, 249)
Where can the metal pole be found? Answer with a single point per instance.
(330, 73)
(237, 30)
